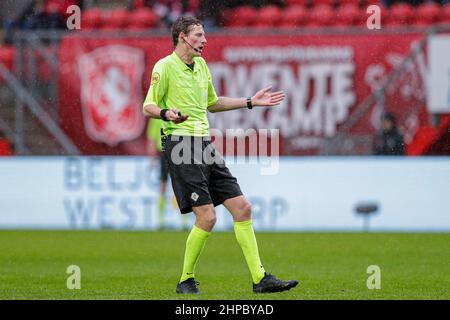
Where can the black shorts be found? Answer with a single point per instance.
(198, 179)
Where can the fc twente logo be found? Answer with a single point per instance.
(111, 95)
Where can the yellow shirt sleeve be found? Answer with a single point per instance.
(158, 86)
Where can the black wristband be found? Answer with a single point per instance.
(162, 114)
(249, 102)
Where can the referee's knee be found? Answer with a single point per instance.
(245, 212)
(206, 219)
(210, 220)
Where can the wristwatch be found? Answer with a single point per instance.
(249, 102)
(162, 114)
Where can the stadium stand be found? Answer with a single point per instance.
(296, 2)
(268, 17)
(141, 14)
(115, 19)
(243, 16)
(290, 14)
(295, 17)
(348, 15)
(427, 14)
(400, 14)
(143, 18)
(321, 15)
(445, 18)
(293, 14)
(92, 19)
(324, 2)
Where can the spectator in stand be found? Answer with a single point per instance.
(263, 3)
(6, 147)
(35, 17)
(389, 141)
(208, 10)
(56, 11)
(169, 10)
(39, 14)
(210, 13)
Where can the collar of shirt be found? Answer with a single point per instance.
(182, 65)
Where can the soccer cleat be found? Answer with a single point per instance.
(188, 286)
(270, 284)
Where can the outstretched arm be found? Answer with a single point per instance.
(263, 98)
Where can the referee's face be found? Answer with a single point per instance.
(197, 39)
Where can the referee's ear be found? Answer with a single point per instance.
(181, 35)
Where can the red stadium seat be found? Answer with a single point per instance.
(226, 15)
(427, 14)
(321, 16)
(445, 15)
(400, 14)
(268, 16)
(115, 19)
(243, 16)
(344, 2)
(297, 2)
(364, 4)
(91, 19)
(349, 15)
(324, 2)
(143, 18)
(294, 16)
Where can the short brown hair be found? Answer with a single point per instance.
(183, 24)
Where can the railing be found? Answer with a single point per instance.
(25, 100)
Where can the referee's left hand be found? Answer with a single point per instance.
(265, 98)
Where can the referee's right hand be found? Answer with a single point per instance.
(173, 116)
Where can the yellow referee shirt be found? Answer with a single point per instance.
(175, 85)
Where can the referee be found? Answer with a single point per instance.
(181, 92)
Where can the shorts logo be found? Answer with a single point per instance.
(194, 196)
(155, 78)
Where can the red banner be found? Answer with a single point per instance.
(103, 83)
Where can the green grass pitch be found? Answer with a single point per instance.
(147, 265)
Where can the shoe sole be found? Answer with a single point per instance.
(181, 292)
(279, 289)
